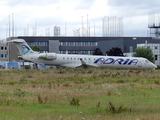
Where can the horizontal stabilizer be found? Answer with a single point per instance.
(17, 40)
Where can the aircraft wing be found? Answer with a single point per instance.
(71, 65)
(81, 64)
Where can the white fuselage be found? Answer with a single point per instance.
(70, 60)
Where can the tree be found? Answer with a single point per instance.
(97, 51)
(115, 51)
(146, 53)
(35, 48)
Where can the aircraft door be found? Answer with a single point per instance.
(140, 63)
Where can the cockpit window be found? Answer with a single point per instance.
(147, 61)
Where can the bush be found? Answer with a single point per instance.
(74, 102)
(27, 67)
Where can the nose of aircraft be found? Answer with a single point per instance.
(154, 66)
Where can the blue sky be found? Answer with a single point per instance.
(49, 13)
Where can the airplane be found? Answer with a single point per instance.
(73, 61)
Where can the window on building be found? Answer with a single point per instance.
(83, 43)
(69, 43)
(62, 52)
(46, 43)
(89, 43)
(89, 52)
(156, 57)
(3, 48)
(76, 43)
(32, 43)
(37, 43)
(156, 48)
(60, 43)
(3, 56)
(29, 43)
(76, 52)
(69, 52)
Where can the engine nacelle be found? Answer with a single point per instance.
(48, 56)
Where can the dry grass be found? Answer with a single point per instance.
(95, 89)
(8, 109)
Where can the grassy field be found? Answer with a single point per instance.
(79, 94)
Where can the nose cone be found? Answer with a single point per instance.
(153, 66)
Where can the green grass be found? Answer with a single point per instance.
(98, 94)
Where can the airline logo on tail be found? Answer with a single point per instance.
(25, 49)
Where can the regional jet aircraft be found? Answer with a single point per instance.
(70, 60)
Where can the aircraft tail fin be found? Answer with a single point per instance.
(22, 46)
